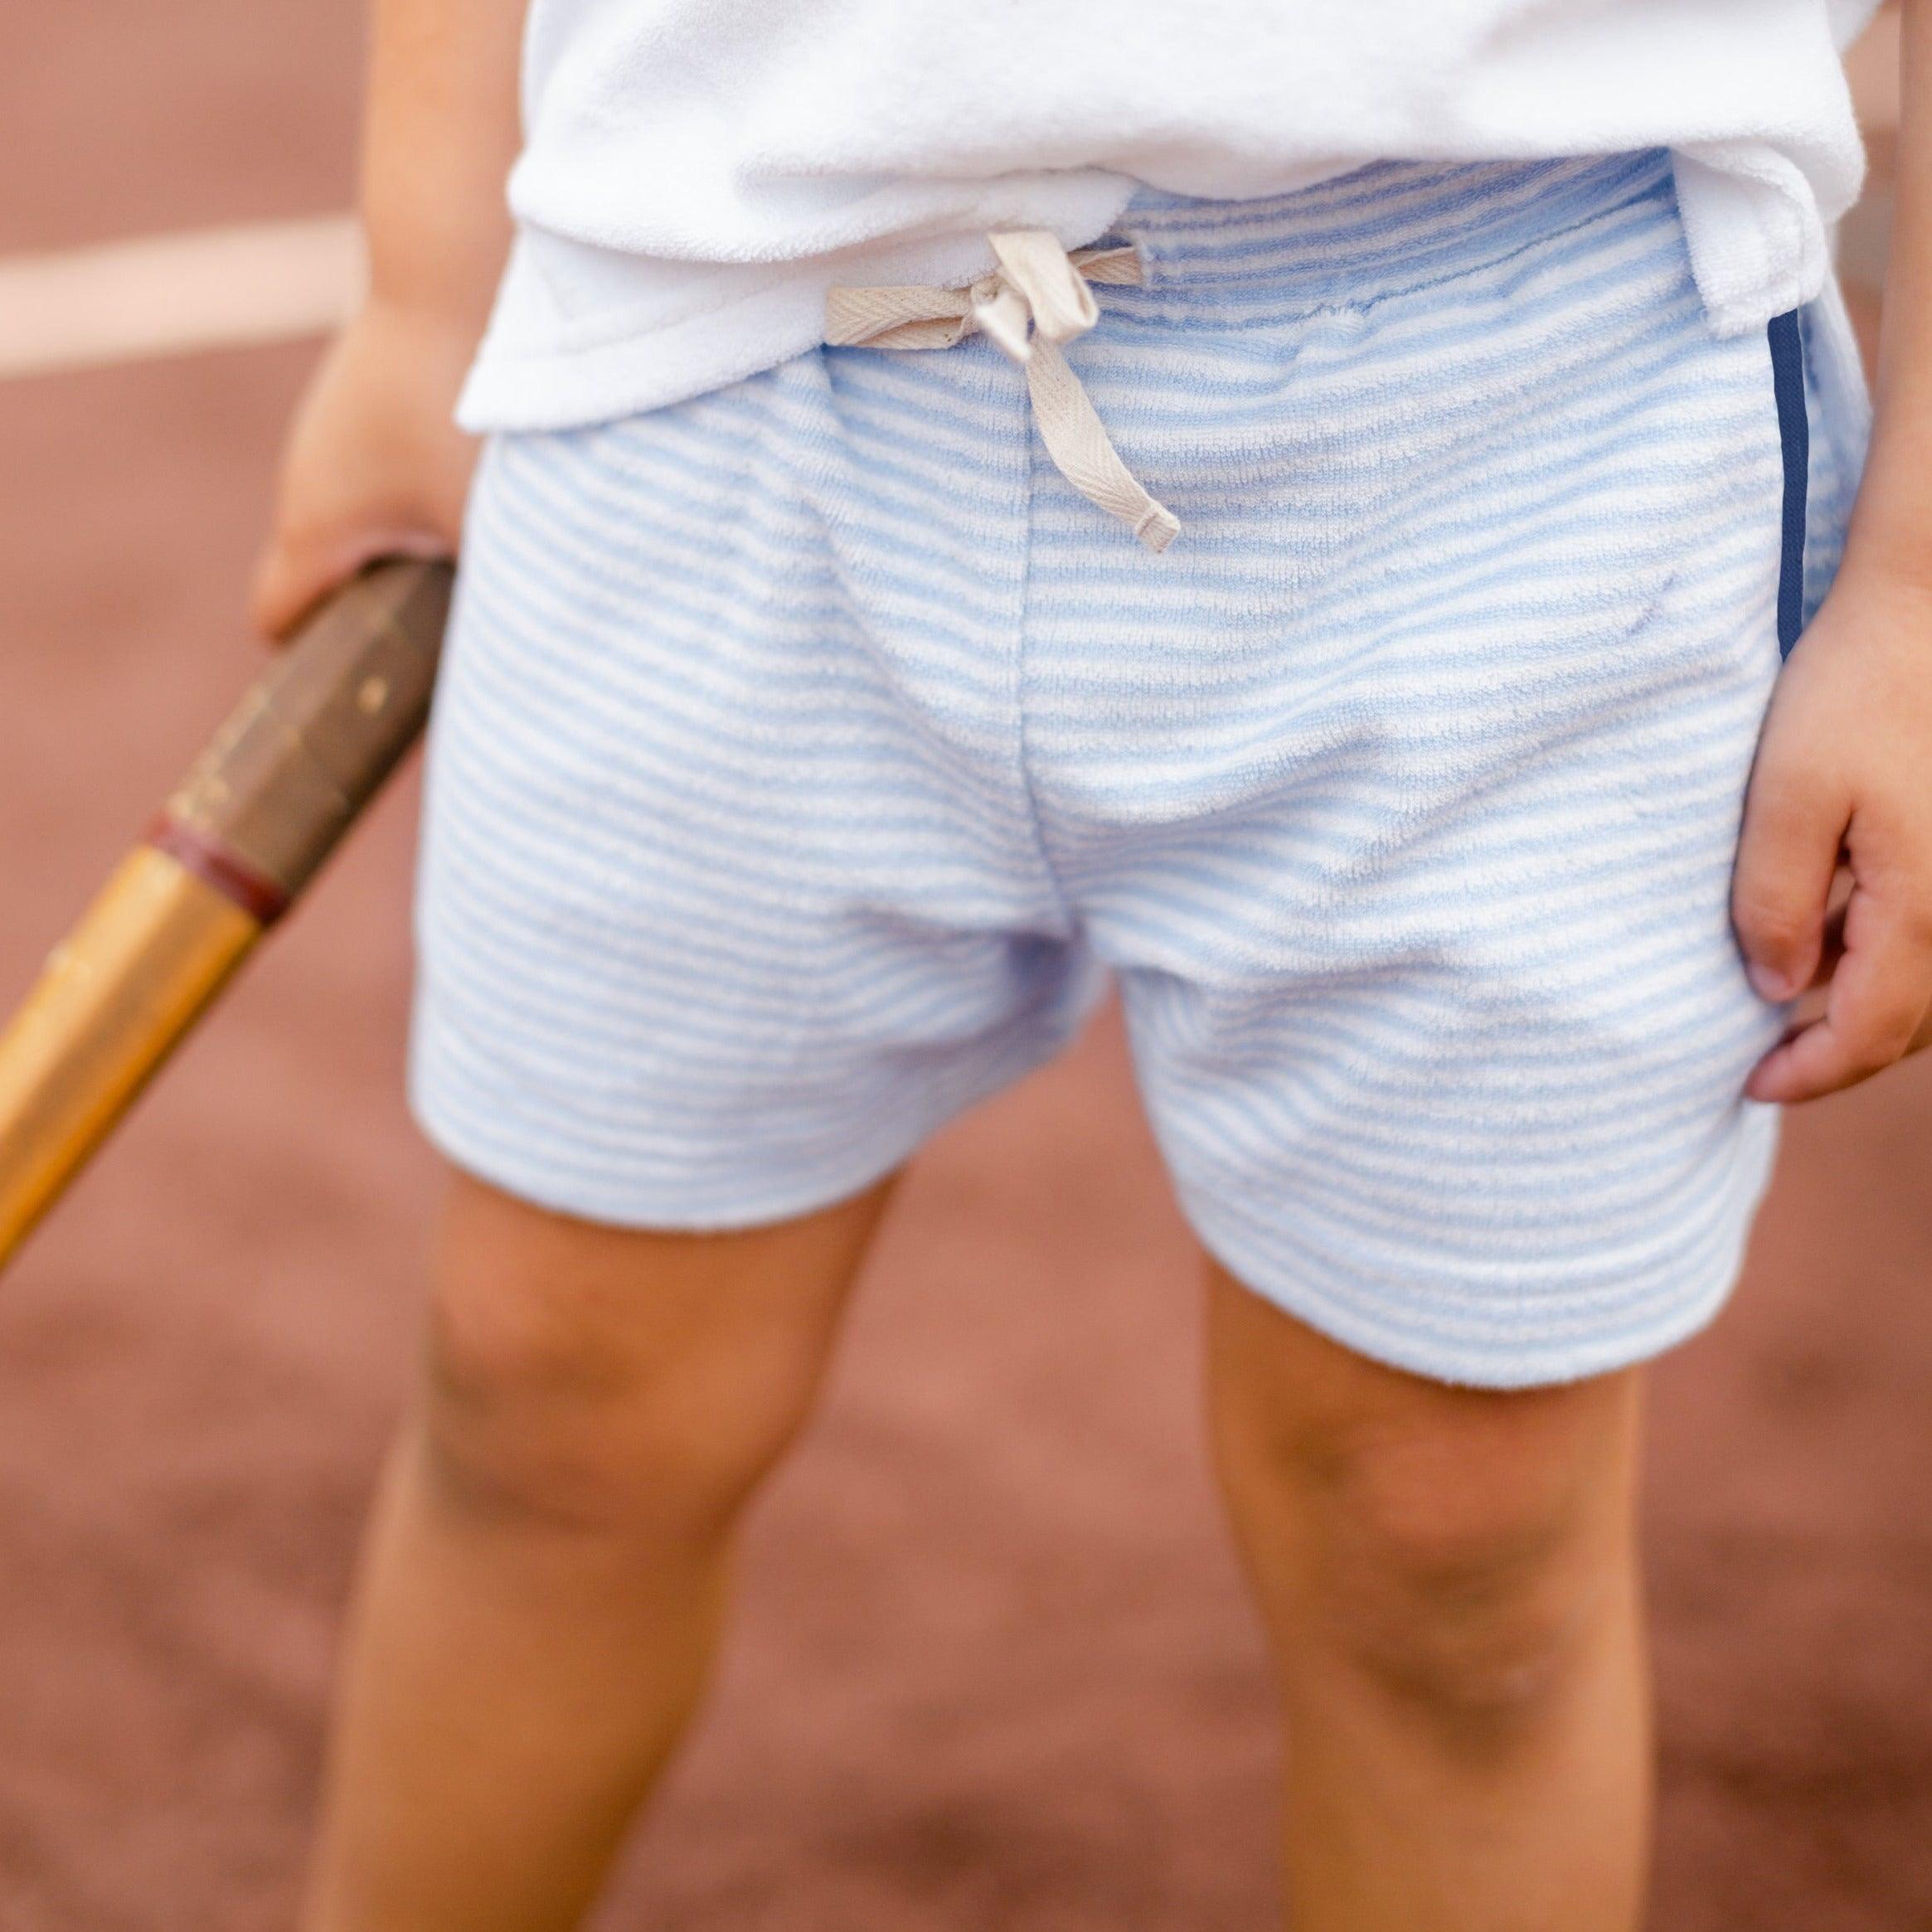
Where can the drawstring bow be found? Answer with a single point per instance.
(1038, 298)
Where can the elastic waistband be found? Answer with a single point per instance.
(1378, 231)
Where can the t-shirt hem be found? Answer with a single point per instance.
(614, 365)
(1759, 247)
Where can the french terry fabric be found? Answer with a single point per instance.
(698, 173)
(806, 752)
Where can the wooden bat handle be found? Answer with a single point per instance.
(260, 810)
(311, 742)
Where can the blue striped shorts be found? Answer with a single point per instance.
(809, 753)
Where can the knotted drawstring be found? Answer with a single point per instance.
(1037, 299)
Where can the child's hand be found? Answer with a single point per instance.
(374, 466)
(1844, 777)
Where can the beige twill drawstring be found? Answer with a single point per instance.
(1037, 299)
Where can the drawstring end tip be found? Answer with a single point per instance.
(1157, 528)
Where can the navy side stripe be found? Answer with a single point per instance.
(1794, 432)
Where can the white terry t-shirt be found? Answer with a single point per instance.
(697, 173)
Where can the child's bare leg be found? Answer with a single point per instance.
(543, 1585)
(1450, 1587)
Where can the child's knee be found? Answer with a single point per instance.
(1458, 1554)
(584, 1376)
(1471, 1594)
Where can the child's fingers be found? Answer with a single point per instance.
(375, 466)
(1876, 1009)
(295, 574)
(1794, 832)
(289, 578)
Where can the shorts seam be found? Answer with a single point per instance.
(1504, 1360)
(1023, 626)
(758, 1200)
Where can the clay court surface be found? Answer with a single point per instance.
(993, 1668)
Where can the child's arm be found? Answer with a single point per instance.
(374, 464)
(1846, 763)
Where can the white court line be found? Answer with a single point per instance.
(215, 288)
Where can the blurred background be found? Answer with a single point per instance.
(994, 1667)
